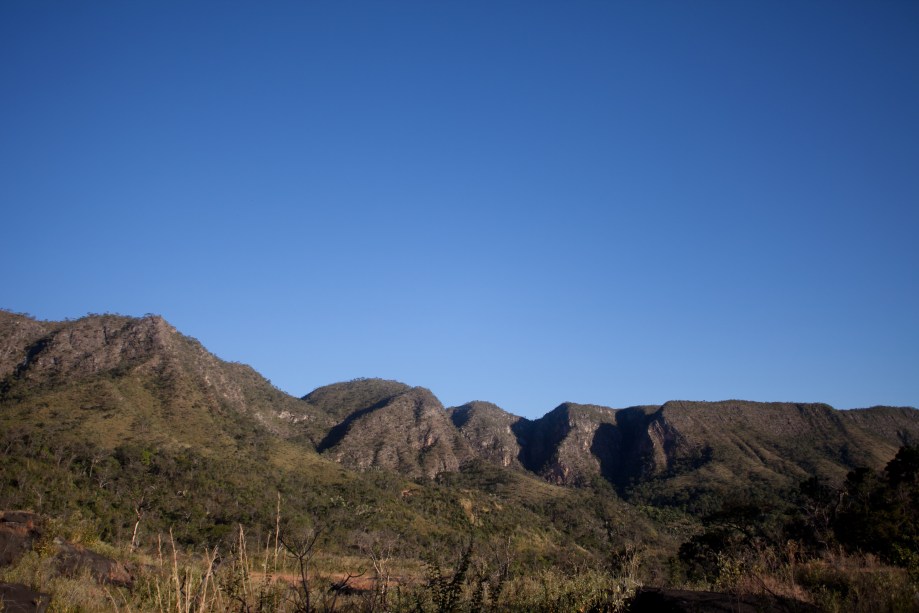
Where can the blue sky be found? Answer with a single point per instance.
(523, 202)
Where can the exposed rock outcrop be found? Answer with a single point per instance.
(18, 531)
(18, 598)
(21, 531)
(410, 433)
(73, 560)
(570, 444)
(491, 432)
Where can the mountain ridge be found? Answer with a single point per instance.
(153, 376)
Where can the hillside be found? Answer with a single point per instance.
(125, 430)
(110, 379)
(691, 451)
(492, 432)
(409, 433)
(330, 405)
(134, 377)
(105, 413)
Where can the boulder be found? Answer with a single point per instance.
(19, 531)
(17, 534)
(73, 560)
(18, 598)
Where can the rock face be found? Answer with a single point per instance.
(567, 445)
(16, 333)
(18, 598)
(21, 530)
(92, 345)
(410, 433)
(491, 432)
(330, 405)
(74, 560)
(18, 531)
(576, 443)
(686, 442)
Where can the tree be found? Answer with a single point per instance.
(299, 541)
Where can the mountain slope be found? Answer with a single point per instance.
(330, 405)
(785, 438)
(410, 433)
(133, 377)
(491, 432)
(109, 418)
(110, 379)
(691, 450)
(895, 425)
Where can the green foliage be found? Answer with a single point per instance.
(873, 512)
(737, 528)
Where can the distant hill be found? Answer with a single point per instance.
(110, 379)
(330, 405)
(492, 433)
(409, 433)
(687, 449)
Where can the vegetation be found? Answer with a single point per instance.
(219, 492)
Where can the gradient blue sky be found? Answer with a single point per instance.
(522, 202)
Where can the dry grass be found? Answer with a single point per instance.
(257, 574)
(836, 582)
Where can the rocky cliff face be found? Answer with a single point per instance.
(569, 445)
(576, 443)
(16, 333)
(330, 405)
(92, 345)
(491, 432)
(410, 433)
(718, 443)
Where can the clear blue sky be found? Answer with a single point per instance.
(522, 202)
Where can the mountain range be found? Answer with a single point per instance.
(120, 432)
(109, 378)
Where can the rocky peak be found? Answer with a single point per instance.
(564, 444)
(491, 432)
(87, 346)
(339, 400)
(410, 433)
(16, 332)
(176, 372)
